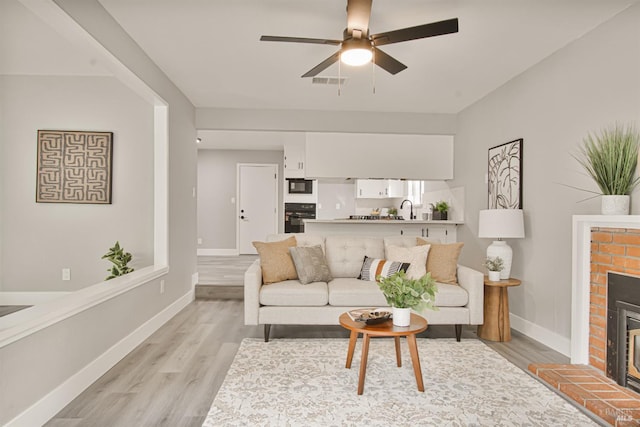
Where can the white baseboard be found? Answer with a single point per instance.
(28, 298)
(195, 277)
(218, 252)
(43, 410)
(549, 338)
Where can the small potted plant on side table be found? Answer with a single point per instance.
(439, 210)
(404, 294)
(495, 266)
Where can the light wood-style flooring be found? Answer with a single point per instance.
(172, 377)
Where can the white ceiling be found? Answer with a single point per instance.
(211, 49)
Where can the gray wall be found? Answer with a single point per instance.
(591, 83)
(217, 181)
(63, 235)
(34, 366)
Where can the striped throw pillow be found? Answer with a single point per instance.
(372, 268)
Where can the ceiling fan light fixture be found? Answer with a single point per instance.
(356, 51)
(356, 57)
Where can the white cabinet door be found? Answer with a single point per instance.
(294, 160)
(371, 188)
(396, 188)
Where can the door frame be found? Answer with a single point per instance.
(276, 191)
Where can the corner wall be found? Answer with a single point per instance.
(591, 83)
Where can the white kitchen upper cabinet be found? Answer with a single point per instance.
(294, 148)
(396, 188)
(358, 155)
(371, 188)
(379, 188)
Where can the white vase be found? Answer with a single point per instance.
(615, 204)
(494, 276)
(499, 248)
(401, 316)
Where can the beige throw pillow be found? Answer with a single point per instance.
(311, 264)
(442, 261)
(275, 260)
(416, 256)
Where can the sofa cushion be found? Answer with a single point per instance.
(373, 267)
(345, 253)
(294, 293)
(451, 295)
(415, 256)
(275, 260)
(355, 293)
(311, 264)
(442, 261)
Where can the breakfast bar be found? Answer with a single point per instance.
(444, 231)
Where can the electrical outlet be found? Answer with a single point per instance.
(162, 286)
(337, 206)
(199, 240)
(66, 274)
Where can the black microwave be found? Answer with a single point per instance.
(300, 186)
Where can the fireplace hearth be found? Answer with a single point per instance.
(623, 330)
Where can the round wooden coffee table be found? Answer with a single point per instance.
(385, 329)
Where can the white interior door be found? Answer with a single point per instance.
(257, 204)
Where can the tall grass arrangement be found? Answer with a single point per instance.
(610, 158)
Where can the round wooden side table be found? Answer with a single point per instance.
(496, 325)
(385, 329)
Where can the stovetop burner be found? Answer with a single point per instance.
(375, 217)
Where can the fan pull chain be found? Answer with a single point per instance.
(339, 76)
(373, 71)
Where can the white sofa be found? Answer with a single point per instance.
(291, 303)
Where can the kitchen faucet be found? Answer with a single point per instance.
(411, 215)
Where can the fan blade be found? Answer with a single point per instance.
(386, 62)
(323, 65)
(299, 40)
(358, 14)
(421, 31)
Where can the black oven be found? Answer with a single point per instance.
(295, 214)
(299, 186)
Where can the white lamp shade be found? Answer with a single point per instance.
(501, 224)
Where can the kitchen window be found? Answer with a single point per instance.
(414, 192)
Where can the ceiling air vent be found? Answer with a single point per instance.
(320, 80)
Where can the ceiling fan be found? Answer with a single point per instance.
(358, 47)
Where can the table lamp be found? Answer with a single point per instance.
(501, 224)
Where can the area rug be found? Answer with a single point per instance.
(304, 382)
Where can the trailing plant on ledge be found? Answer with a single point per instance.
(611, 158)
(120, 259)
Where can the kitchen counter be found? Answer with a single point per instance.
(381, 221)
(444, 231)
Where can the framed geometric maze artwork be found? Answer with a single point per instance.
(505, 176)
(74, 167)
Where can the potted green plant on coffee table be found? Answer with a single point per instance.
(404, 294)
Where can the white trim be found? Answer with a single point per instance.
(218, 252)
(25, 322)
(581, 276)
(545, 336)
(42, 411)
(28, 298)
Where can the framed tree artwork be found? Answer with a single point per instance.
(505, 175)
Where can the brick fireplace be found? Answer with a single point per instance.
(612, 250)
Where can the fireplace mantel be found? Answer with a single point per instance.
(580, 273)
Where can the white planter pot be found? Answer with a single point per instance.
(401, 316)
(615, 205)
(494, 276)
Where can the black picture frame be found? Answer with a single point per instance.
(504, 166)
